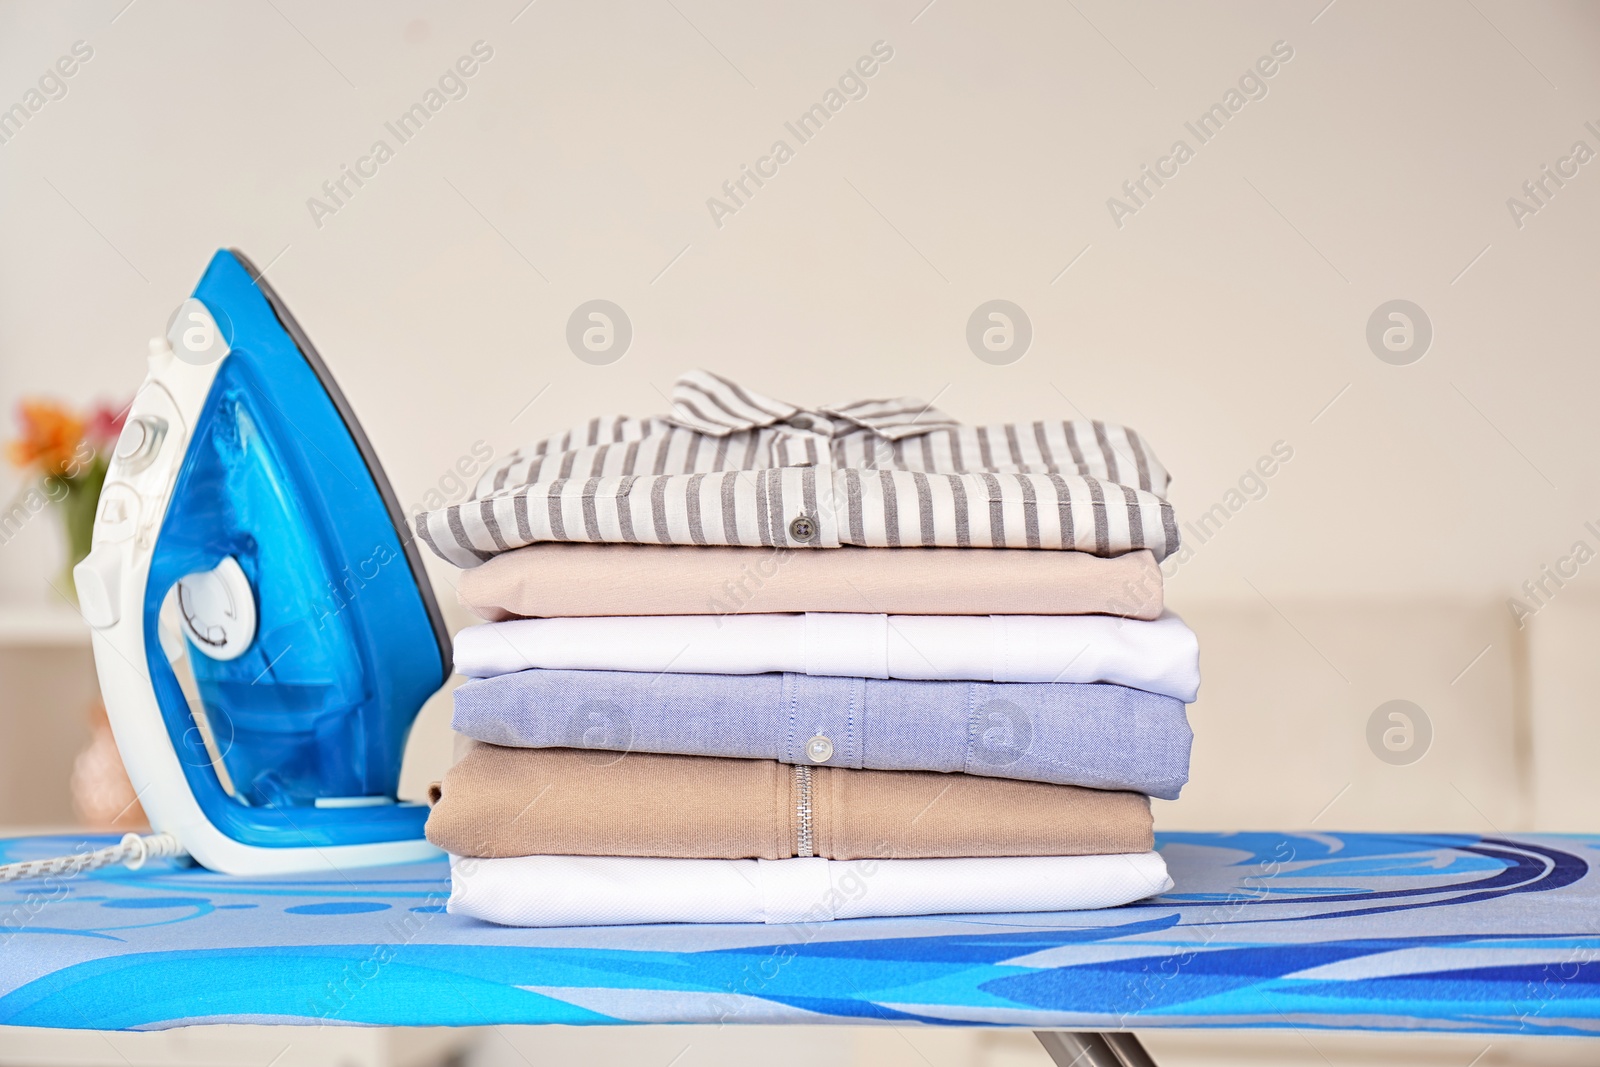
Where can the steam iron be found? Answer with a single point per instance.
(263, 629)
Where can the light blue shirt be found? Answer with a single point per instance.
(1103, 736)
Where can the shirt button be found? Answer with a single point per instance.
(802, 422)
(819, 749)
(802, 529)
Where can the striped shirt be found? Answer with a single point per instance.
(729, 466)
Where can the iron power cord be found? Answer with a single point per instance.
(133, 850)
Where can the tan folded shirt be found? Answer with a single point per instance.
(571, 802)
(554, 579)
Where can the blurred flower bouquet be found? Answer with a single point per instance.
(67, 455)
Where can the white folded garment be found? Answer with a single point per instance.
(1161, 656)
(624, 890)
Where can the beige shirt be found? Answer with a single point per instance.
(526, 802)
(557, 579)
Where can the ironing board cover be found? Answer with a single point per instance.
(1350, 931)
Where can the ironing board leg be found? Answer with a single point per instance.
(1130, 1050)
(1082, 1049)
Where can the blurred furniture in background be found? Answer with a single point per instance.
(733, 1046)
(48, 681)
(63, 456)
(238, 1046)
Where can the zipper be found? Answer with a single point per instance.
(802, 810)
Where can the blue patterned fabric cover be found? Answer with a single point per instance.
(1353, 931)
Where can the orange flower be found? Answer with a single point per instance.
(50, 436)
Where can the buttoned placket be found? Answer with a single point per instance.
(805, 441)
(824, 722)
(802, 448)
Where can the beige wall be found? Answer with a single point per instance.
(1222, 317)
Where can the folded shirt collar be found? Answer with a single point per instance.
(711, 404)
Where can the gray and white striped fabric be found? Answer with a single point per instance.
(732, 467)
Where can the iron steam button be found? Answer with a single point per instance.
(139, 441)
(133, 438)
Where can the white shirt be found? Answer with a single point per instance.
(623, 890)
(1160, 656)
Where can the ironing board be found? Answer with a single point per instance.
(1458, 933)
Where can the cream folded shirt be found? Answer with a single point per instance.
(1160, 656)
(556, 579)
(622, 890)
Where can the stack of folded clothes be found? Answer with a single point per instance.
(748, 662)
